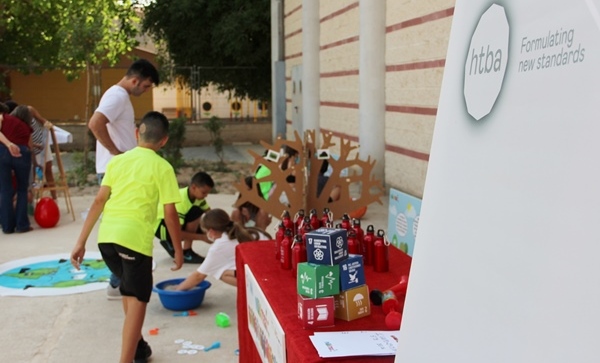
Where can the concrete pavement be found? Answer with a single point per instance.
(87, 327)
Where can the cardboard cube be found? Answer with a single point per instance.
(352, 272)
(317, 280)
(327, 246)
(315, 313)
(353, 304)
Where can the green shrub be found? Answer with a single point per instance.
(214, 126)
(79, 174)
(172, 150)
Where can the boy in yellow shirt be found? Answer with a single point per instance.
(191, 208)
(134, 185)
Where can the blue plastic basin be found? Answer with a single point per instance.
(180, 300)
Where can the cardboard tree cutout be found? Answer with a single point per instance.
(357, 189)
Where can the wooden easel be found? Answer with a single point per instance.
(60, 185)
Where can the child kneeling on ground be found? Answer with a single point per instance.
(220, 259)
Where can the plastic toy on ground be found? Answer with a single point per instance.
(222, 320)
(214, 345)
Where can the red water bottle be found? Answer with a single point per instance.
(278, 238)
(298, 253)
(380, 248)
(360, 234)
(315, 223)
(327, 218)
(306, 227)
(367, 246)
(287, 221)
(353, 246)
(286, 250)
(298, 220)
(346, 222)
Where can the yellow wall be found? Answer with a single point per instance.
(57, 99)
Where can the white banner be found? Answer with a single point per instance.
(506, 264)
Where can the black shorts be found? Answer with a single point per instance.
(133, 268)
(194, 213)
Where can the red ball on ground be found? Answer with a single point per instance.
(46, 213)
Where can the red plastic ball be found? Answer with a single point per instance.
(46, 213)
(393, 320)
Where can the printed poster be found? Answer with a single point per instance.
(267, 333)
(403, 220)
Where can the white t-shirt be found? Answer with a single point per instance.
(116, 106)
(220, 257)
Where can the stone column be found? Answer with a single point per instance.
(371, 113)
(311, 97)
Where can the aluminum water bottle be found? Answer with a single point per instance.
(286, 250)
(315, 223)
(298, 253)
(368, 242)
(360, 234)
(326, 218)
(298, 220)
(306, 227)
(381, 250)
(353, 246)
(278, 238)
(346, 222)
(287, 221)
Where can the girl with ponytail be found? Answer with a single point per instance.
(220, 259)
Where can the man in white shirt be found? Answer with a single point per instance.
(113, 122)
(113, 125)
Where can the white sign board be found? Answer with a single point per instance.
(267, 333)
(506, 264)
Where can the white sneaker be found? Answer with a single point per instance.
(113, 293)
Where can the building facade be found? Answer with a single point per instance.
(62, 100)
(369, 71)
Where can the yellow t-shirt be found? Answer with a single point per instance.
(186, 204)
(140, 181)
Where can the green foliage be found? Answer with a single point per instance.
(79, 175)
(172, 150)
(214, 126)
(96, 31)
(229, 42)
(66, 34)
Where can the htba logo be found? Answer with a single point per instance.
(485, 65)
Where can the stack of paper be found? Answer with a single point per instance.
(355, 343)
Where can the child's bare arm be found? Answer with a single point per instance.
(191, 281)
(92, 217)
(172, 222)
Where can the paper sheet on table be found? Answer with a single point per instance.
(355, 343)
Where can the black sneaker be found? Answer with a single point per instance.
(189, 256)
(168, 246)
(143, 352)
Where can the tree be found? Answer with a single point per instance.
(72, 35)
(228, 41)
(38, 35)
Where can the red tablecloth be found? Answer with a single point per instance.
(279, 287)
